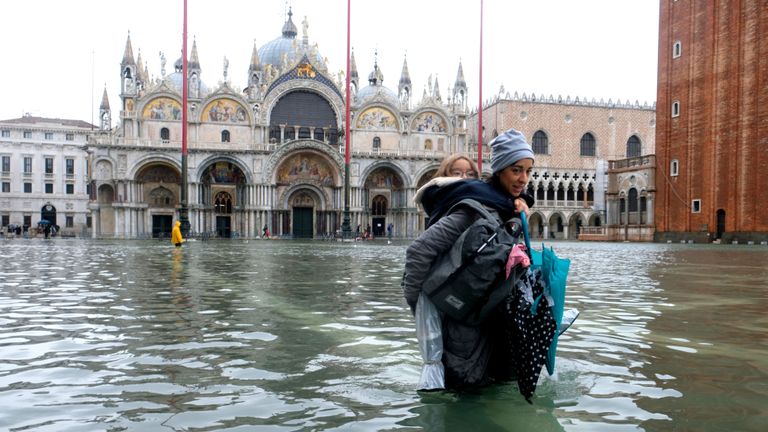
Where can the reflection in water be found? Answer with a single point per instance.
(278, 335)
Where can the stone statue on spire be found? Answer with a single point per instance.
(162, 64)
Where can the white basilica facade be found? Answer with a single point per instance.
(272, 153)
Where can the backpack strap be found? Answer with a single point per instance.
(476, 206)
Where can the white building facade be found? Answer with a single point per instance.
(44, 173)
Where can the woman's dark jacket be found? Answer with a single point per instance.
(468, 351)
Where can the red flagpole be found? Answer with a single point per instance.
(184, 209)
(346, 228)
(480, 105)
(185, 90)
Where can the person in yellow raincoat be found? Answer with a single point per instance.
(176, 238)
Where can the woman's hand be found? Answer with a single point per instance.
(521, 206)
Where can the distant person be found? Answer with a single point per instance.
(47, 230)
(390, 228)
(176, 237)
(265, 232)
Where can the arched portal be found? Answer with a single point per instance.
(160, 184)
(106, 216)
(302, 204)
(383, 190)
(48, 214)
(222, 192)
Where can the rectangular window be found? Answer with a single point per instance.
(6, 187)
(675, 108)
(27, 187)
(696, 206)
(674, 168)
(27, 165)
(70, 189)
(69, 222)
(6, 220)
(6, 164)
(49, 165)
(27, 134)
(88, 221)
(70, 137)
(677, 49)
(49, 188)
(70, 166)
(28, 220)
(49, 136)
(6, 133)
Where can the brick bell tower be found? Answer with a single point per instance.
(712, 121)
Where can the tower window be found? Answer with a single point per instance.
(165, 135)
(677, 49)
(696, 206)
(674, 168)
(376, 143)
(675, 108)
(225, 136)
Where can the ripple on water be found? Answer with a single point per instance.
(99, 335)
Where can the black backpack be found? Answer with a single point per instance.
(469, 280)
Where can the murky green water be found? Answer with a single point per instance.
(273, 335)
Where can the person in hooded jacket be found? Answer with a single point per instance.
(472, 355)
(176, 238)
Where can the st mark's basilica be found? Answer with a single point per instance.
(270, 154)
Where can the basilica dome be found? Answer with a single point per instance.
(175, 79)
(286, 46)
(376, 88)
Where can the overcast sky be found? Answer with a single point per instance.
(57, 56)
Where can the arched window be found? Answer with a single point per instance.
(529, 189)
(540, 143)
(379, 206)
(677, 49)
(427, 144)
(551, 192)
(223, 203)
(634, 149)
(540, 193)
(560, 192)
(225, 136)
(569, 195)
(632, 200)
(289, 133)
(674, 168)
(165, 135)
(319, 134)
(588, 145)
(376, 143)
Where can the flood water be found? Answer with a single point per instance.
(309, 336)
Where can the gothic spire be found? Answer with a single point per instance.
(460, 81)
(255, 64)
(104, 100)
(405, 77)
(194, 60)
(128, 54)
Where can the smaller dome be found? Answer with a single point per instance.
(175, 81)
(371, 91)
(289, 28)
